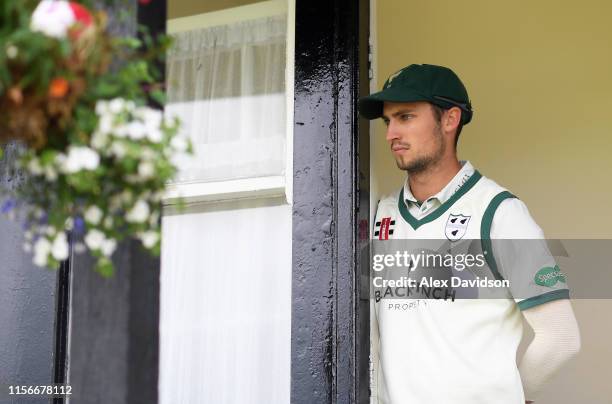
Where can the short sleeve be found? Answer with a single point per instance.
(523, 258)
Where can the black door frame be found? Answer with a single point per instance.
(330, 318)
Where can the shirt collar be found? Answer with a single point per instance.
(445, 193)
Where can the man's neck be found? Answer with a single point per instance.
(427, 183)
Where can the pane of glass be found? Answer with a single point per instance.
(226, 82)
(225, 312)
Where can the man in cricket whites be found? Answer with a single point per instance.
(459, 351)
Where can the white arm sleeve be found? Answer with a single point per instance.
(556, 340)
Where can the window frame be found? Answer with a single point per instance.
(250, 187)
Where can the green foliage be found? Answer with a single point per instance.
(106, 157)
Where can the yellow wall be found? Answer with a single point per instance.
(184, 8)
(539, 74)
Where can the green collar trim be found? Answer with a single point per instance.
(416, 223)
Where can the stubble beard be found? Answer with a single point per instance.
(423, 163)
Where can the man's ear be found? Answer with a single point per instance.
(451, 120)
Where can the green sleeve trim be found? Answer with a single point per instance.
(416, 223)
(545, 298)
(485, 231)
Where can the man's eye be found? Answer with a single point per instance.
(405, 116)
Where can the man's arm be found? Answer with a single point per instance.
(557, 340)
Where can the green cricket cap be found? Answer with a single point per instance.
(438, 85)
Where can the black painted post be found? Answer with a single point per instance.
(27, 300)
(330, 323)
(114, 323)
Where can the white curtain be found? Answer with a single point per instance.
(225, 310)
(227, 85)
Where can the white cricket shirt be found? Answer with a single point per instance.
(438, 351)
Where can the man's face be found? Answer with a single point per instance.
(415, 138)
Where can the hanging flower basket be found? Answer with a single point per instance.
(96, 156)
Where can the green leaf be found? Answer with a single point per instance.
(105, 267)
(158, 96)
(48, 157)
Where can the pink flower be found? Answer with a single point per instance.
(55, 17)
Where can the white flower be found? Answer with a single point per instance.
(42, 248)
(108, 247)
(149, 238)
(171, 120)
(50, 173)
(69, 224)
(179, 143)
(108, 222)
(12, 51)
(121, 131)
(50, 231)
(147, 154)
(81, 158)
(102, 107)
(59, 249)
(93, 214)
(139, 213)
(136, 130)
(150, 116)
(99, 140)
(79, 248)
(94, 239)
(146, 169)
(154, 135)
(34, 167)
(52, 18)
(116, 105)
(105, 124)
(151, 119)
(118, 149)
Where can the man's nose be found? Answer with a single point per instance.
(392, 133)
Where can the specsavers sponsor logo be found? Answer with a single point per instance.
(549, 276)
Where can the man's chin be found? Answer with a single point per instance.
(402, 164)
(413, 167)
